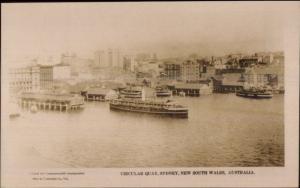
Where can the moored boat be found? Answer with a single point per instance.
(255, 93)
(161, 92)
(14, 111)
(14, 115)
(166, 108)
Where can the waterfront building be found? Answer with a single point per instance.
(190, 71)
(267, 76)
(151, 68)
(31, 79)
(129, 63)
(209, 72)
(51, 101)
(227, 83)
(46, 77)
(193, 71)
(171, 70)
(20, 80)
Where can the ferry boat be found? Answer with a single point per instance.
(256, 93)
(131, 92)
(161, 92)
(166, 108)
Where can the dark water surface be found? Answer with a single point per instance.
(222, 130)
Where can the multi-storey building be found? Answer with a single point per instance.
(20, 80)
(268, 76)
(190, 71)
(172, 71)
(129, 63)
(31, 79)
(193, 71)
(109, 58)
(46, 77)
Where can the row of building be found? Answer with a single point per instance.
(232, 70)
(116, 58)
(37, 77)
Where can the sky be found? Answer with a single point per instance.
(168, 29)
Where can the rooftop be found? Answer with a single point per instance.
(48, 96)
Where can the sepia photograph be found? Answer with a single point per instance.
(148, 85)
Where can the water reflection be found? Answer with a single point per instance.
(222, 130)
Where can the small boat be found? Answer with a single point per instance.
(14, 115)
(166, 108)
(256, 93)
(14, 111)
(161, 92)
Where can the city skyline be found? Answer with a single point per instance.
(168, 29)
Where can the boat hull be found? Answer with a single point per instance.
(162, 112)
(163, 94)
(254, 95)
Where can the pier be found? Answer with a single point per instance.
(61, 102)
(96, 94)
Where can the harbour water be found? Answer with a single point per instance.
(222, 130)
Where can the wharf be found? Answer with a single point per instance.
(49, 101)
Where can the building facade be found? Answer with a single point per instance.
(31, 79)
(109, 58)
(272, 77)
(129, 63)
(46, 78)
(190, 71)
(171, 71)
(196, 70)
(20, 80)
